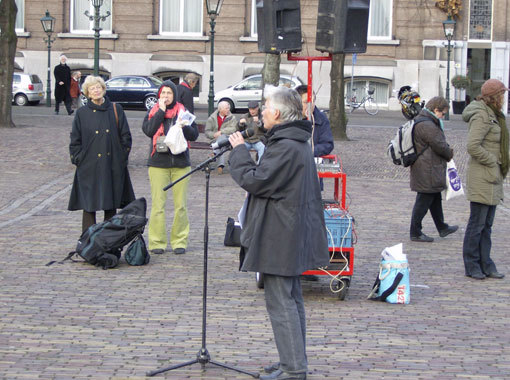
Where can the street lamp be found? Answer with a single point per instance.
(48, 22)
(96, 18)
(449, 30)
(213, 10)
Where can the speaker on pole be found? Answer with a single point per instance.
(342, 26)
(279, 26)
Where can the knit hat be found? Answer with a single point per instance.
(493, 87)
(173, 87)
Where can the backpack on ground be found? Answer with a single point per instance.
(402, 149)
(136, 252)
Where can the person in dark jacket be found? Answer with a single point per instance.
(322, 137)
(283, 233)
(165, 167)
(62, 74)
(100, 146)
(253, 120)
(428, 173)
(185, 91)
(488, 166)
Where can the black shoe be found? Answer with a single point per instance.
(70, 113)
(56, 112)
(422, 238)
(448, 231)
(281, 375)
(496, 275)
(157, 251)
(272, 367)
(476, 276)
(179, 251)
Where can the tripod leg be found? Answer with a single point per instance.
(255, 375)
(152, 373)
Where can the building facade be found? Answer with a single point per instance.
(169, 38)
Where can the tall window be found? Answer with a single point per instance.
(81, 23)
(181, 17)
(20, 16)
(254, 18)
(379, 21)
(480, 20)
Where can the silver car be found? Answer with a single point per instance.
(26, 89)
(250, 89)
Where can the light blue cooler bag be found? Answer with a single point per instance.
(392, 284)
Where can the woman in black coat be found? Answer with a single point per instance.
(100, 146)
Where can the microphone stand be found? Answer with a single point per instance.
(203, 356)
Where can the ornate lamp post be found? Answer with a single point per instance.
(48, 22)
(449, 30)
(213, 10)
(96, 18)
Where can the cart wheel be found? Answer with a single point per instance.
(344, 285)
(259, 277)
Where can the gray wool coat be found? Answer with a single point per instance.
(284, 232)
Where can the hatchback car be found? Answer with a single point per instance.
(26, 89)
(134, 90)
(250, 89)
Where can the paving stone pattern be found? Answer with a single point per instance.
(74, 321)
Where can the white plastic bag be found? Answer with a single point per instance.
(453, 182)
(175, 139)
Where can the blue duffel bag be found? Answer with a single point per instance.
(392, 283)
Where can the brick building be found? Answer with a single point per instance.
(169, 38)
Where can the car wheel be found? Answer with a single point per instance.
(231, 103)
(150, 101)
(21, 100)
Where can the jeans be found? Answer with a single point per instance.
(285, 306)
(425, 202)
(477, 240)
(258, 146)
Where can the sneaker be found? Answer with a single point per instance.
(496, 275)
(157, 251)
(70, 113)
(180, 251)
(422, 238)
(449, 230)
(476, 276)
(282, 375)
(272, 367)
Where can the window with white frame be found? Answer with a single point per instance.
(480, 20)
(181, 17)
(20, 16)
(253, 32)
(380, 19)
(82, 24)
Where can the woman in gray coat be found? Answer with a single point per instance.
(487, 146)
(428, 173)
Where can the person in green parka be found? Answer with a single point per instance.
(487, 146)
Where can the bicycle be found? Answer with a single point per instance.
(368, 102)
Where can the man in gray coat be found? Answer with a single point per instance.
(284, 232)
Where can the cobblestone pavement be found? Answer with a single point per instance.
(74, 321)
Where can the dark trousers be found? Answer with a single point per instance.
(67, 102)
(477, 240)
(89, 218)
(285, 306)
(427, 202)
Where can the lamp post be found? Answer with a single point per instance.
(96, 18)
(48, 22)
(213, 10)
(449, 30)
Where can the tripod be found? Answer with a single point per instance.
(203, 356)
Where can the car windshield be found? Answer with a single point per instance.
(156, 81)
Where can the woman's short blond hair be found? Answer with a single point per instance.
(92, 81)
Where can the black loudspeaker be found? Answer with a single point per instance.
(342, 26)
(279, 26)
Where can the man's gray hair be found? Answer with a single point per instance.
(286, 100)
(191, 78)
(223, 104)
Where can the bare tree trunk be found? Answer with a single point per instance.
(337, 117)
(271, 71)
(8, 40)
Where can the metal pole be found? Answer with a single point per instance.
(48, 84)
(96, 40)
(211, 75)
(447, 116)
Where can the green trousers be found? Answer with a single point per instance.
(159, 178)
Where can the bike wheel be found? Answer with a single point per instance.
(371, 106)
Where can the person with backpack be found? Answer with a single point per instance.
(166, 167)
(487, 145)
(99, 147)
(428, 172)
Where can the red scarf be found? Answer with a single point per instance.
(169, 114)
(185, 85)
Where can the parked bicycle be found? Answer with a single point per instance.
(368, 102)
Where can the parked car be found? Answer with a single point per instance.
(250, 89)
(134, 90)
(26, 89)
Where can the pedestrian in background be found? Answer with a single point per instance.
(185, 91)
(253, 120)
(62, 74)
(164, 168)
(100, 146)
(284, 232)
(218, 127)
(75, 90)
(428, 173)
(487, 146)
